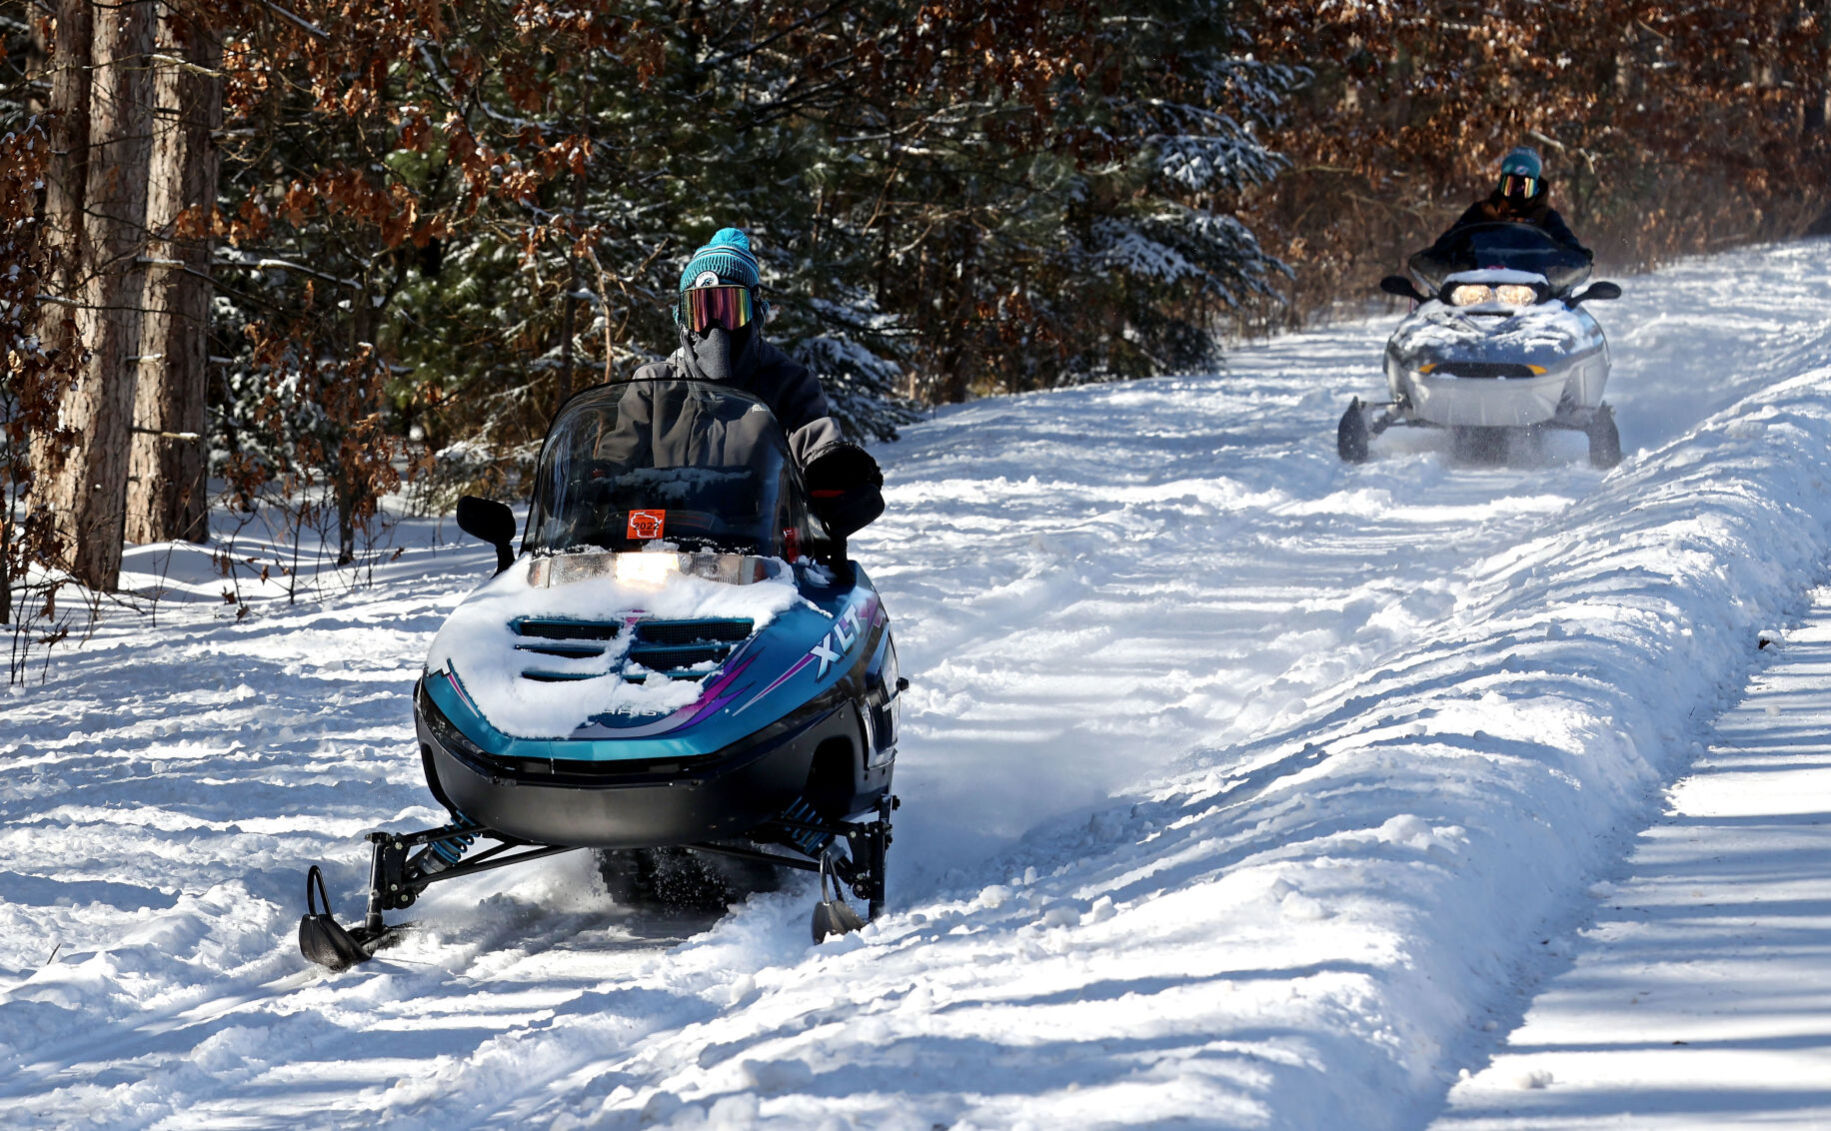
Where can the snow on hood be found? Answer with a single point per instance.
(479, 643)
(1545, 325)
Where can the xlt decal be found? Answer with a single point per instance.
(838, 642)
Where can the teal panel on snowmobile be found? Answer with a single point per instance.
(803, 652)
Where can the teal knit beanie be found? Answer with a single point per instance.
(727, 256)
(1522, 159)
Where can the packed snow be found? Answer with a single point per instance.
(1241, 787)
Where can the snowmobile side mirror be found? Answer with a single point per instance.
(1602, 290)
(1403, 287)
(491, 521)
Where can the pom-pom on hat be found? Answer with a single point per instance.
(726, 260)
(1523, 160)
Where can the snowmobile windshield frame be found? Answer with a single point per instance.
(1515, 247)
(687, 463)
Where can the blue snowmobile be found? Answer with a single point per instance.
(681, 671)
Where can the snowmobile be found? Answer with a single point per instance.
(1499, 343)
(681, 663)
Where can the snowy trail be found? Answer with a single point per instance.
(1150, 605)
(1239, 785)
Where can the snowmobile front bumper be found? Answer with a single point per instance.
(1457, 401)
(631, 804)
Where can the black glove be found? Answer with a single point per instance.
(845, 488)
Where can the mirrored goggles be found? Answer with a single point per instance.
(705, 307)
(1518, 184)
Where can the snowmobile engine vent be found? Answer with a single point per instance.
(1486, 369)
(569, 638)
(674, 647)
(567, 629)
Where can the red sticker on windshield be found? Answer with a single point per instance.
(646, 525)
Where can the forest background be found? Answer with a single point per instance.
(298, 250)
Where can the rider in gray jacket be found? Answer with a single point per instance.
(719, 318)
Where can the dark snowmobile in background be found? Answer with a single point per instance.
(680, 667)
(1498, 343)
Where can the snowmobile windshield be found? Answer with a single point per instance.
(1516, 247)
(683, 462)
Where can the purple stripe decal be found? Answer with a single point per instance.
(451, 677)
(714, 698)
(780, 680)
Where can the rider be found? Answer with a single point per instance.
(1521, 197)
(719, 317)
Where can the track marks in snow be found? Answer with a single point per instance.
(1177, 581)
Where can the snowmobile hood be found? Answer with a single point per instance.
(560, 657)
(1545, 337)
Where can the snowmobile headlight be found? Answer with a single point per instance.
(1469, 294)
(1516, 294)
(732, 569)
(646, 570)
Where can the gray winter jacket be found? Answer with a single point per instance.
(780, 382)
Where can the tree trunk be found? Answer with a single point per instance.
(89, 492)
(6, 561)
(166, 489)
(66, 179)
(958, 354)
(573, 282)
(68, 170)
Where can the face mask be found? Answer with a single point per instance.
(717, 352)
(712, 352)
